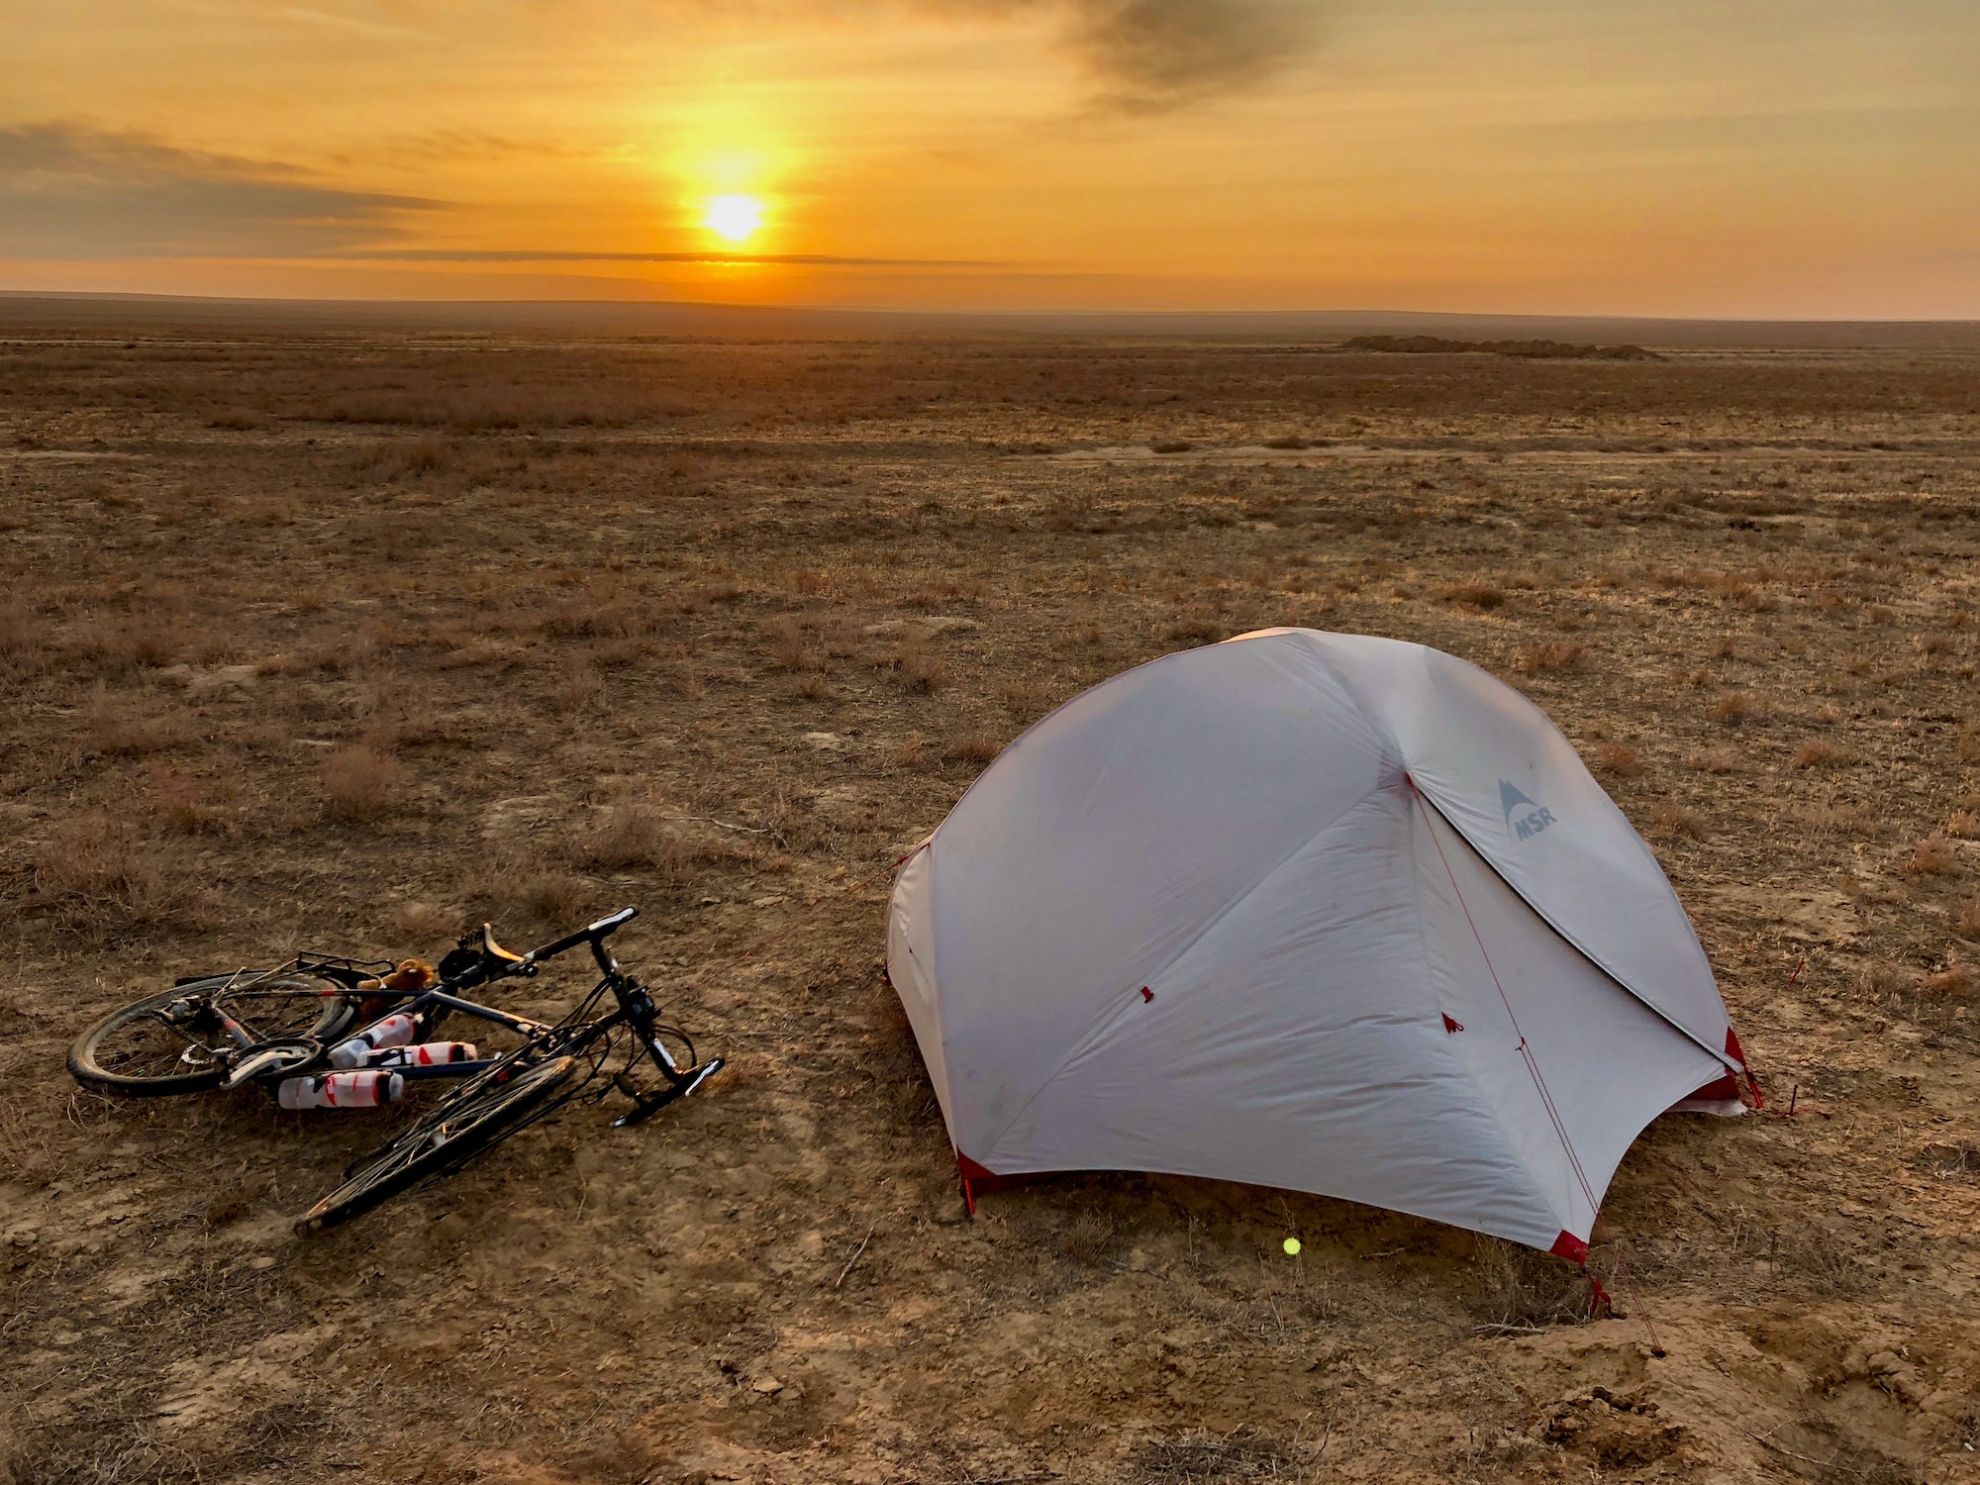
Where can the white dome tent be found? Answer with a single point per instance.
(1316, 911)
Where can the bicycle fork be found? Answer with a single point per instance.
(642, 1013)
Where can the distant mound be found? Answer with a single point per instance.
(1551, 350)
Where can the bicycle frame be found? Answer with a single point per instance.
(635, 1009)
(417, 1002)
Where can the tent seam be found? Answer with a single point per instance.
(1574, 943)
(1549, 724)
(1429, 974)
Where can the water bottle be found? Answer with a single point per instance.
(394, 1031)
(341, 1090)
(424, 1054)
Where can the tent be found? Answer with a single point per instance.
(1316, 911)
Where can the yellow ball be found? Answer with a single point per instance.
(1292, 1247)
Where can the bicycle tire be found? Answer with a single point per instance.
(440, 1143)
(90, 1061)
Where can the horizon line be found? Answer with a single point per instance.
(982, 312)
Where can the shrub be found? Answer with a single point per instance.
(1618, 759)
(973, 747)
(1477, 595)
(1559, 654)
(1733, 707)
(785, 641)
(1956, 978)
(1674, 821)
(921, 668)
(360, 784)
(628, 836)
(1968, 923)
(1934, 856)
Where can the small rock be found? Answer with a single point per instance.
(262, 1261)
(829, 742)
(768, 1386)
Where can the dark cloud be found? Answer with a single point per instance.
(1150, 55)
(69, 190)
(1139, 56)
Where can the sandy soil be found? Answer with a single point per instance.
(347, 638)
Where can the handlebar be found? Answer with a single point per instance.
(592, 933)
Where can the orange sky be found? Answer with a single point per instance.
(1700, 157)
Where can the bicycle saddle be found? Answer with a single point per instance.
(484, 940)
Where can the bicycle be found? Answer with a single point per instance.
(265, 1026)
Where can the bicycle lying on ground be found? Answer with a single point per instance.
(271, 1026)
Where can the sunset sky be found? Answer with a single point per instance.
(1803, 158)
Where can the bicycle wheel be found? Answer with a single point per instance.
(171, 1042)
(442, 1142)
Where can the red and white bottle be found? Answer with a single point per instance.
(341, 1090)
(423, 1054)
(395, 1030)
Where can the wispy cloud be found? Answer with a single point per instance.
(71, 190)
(576, 255)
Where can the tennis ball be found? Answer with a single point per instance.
(1292, 1247)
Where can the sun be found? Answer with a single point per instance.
(733, 218)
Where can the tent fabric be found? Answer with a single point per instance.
(1316, 911)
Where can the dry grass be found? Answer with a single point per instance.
(98, 871)
(361, 785)
(1832, 818)
(1198, 1456)
(1514, 1287)
(426, 924)
(1716, 760)
(189, 806)
(1552, 656)
(1090, 1239)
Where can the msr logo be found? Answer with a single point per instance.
(1524, 818)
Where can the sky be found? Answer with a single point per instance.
(1749, 158)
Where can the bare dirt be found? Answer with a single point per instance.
(348, 637)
